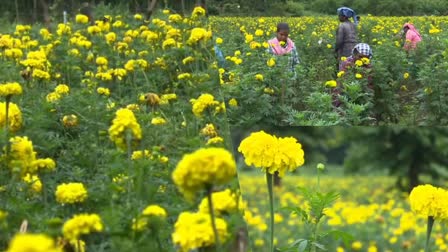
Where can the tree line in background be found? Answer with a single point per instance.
(46, 11)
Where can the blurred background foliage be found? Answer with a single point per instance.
(30, 11)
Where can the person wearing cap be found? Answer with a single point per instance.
(411, 37)
(346, 37)
(363, 54)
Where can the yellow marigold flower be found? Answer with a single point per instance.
(198, 34)
(164, 159)
(10, 88)
(32, 243)
(151, 99)
(187, 60)
(215, 140)
(343, 58)
(209, 130)
(340, 74)
(406, 75)
(359, 63)
(110, 37)
(203, 168)
(138, 16)
(198, 12)
(270, 153)
(158, 121)
(427, 200)
(233, 102)
(259, 33)
(366, 61)
(271, 62)
(73, 52)
(102, 61)
(14, 116)
(63, 29)
(268, 90)
(169, 43)
(39, 74)
(34, 182)
(82, 224)
(248, 38)
(203, 102)
(223, 202)
(358, 76)
(259, 77)
(53, 97)
(218, 41)
(331, 83)
(43, 164)
(166, 12)
(62, 89)
(103, 91)
(22, 155)
(194, 230)
(165, 98)
(174, 18)
(123, 122)
(154, 210)
(105, 76)
(141, 154)
(329, 46)
(184, 76)
(82, 19)
(70, 193)
(14, 53)
(357, 245)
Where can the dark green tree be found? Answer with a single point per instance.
(414, 155)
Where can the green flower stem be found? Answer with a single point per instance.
(318, 180)
(269, 180)
(212, 216)
(428, 232)
(8, 145)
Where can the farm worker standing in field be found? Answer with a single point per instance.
(283, 45)
(346, 37)
(411, 36)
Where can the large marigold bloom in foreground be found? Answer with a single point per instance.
(194, 230)
(82, 224)
(427, 200)
(32, 243)
(204, 168)
(14, 116)
(124, 120)
(271, 153)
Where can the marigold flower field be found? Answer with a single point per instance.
(114, 137)
(409, 88)
(379, 219)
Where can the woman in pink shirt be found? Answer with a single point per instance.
(412, 36)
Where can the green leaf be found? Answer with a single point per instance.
(318, 245)
(303, 244)
(338, 234)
